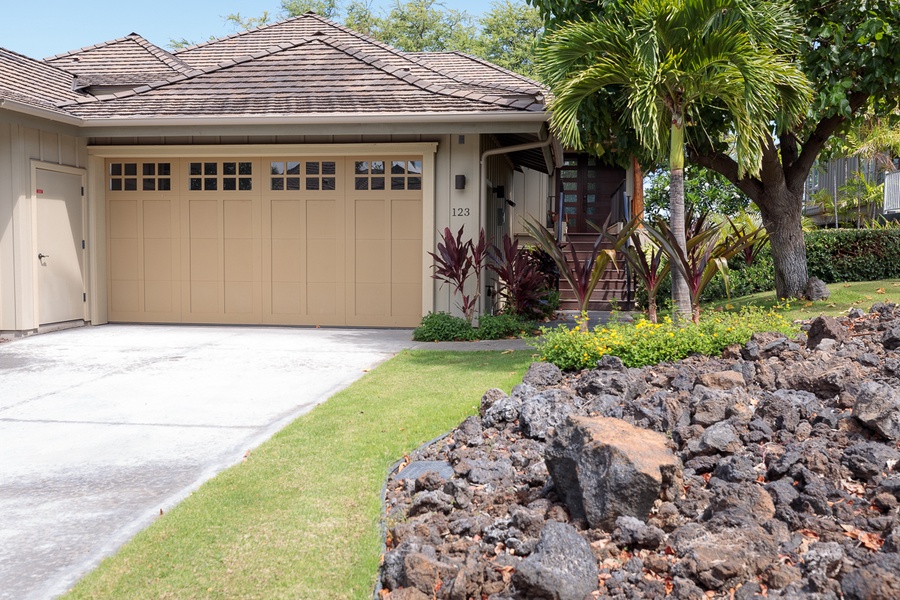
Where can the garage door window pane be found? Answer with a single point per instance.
(115, 169)
(377, 167)
(245, 184)
(130, 185)
(312, 183)
(245, 168)
(229, 183)
(277, 168)
(329, 168)
(312, 168)
(164, 169)
(328, 183)
(149, 185)
(164, 185)
(196, 169)
(398, 167)
(210, 168)
(131, 168)
(362, 183)
(229, 168)
(293, 183)
(414, 167)
(277, 183)
(362, 168)
(378, 183)
(210, 184)
(414, 183)
(115, 185)
(196, 184)
(398, 183)
(149, 169)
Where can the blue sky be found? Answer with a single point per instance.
(55, 26)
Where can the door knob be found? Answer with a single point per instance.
(43, 256)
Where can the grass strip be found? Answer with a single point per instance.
(299, 517)
(844, 296)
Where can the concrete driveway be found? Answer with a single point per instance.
(101, 427)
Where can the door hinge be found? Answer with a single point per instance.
(82, 244)
(84, 297)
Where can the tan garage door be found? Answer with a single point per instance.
(282, 240)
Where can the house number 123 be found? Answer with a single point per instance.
(461, 212)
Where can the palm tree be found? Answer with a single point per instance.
(664, 60)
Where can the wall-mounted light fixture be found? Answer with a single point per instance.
(460, 182)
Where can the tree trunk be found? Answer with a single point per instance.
(781, 211)
(681, 298)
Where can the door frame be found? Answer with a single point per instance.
(81, 173)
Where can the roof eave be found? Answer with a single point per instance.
(319, 119)
(42, 113)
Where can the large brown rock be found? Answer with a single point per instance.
(605, 468)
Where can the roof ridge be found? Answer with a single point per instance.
(91, 47)
(191, 74)
(539, 88)
(161, 54)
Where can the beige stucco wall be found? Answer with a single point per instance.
(22, 141)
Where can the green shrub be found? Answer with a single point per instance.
(643, 343)
(496, 327)
(443, 327)
(841, 255)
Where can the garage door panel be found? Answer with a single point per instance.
(321, 262)
(371, 261)
(406, 220)
(238, 297)
(158, 260)
(372, 299)
(204, 260)
(287, 298)
(204, 297)
(287, 260)
(157, 217)
(158, 297)
(321, 219)
(406, 300)
(238, 219)
(322, 299)
(123, 259)
(124, 297)
(370, 221)
(238, 260)
(204, 219)
(123, 219)
(287, 219)
(406, 261)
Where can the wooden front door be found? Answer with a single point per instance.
(587, 188)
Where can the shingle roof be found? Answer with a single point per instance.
(130, 60)
(307, 76)
(475, 70)
(33, 82)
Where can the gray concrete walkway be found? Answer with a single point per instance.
(101, 427)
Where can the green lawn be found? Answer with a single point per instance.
(299, 517)
(844, 296)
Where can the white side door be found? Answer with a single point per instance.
(60, 252)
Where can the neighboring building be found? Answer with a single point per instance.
(295, 174)
(831, 176)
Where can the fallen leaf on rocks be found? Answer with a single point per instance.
(854, 487)
(506, 572)
(403, 463)
(808, 533)
(872, 541)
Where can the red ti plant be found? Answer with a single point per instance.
(705, 255)
(584, 275)
(456, 261)
(646, 263)
(523, 286)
